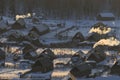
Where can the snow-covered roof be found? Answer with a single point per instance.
(107, 42)
(10, 22)
(61, 60)
(41, 27)
(106, 15)
(22, 16)
(99, 31)
(100, 28)
(21, 21)
(17, 32)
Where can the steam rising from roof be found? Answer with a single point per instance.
(107, 42)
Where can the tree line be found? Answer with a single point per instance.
(63, 9)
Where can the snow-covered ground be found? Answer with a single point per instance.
(58, 51)
(83, 26)
(59, 74)
(11, 73)
(111, 77)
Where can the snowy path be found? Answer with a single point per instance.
(59, 74)
(6, 71)
(11, 73)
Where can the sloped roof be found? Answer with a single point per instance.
(16, 33)
(80, 53)
(48, 53)
(28, 47)
(41, 27)
(79, 35)
(21, 21)
(106, 15)
(83, 67)
(92, 51)
(43, 63)
(100, 28)
(107, 42)
(19, 24)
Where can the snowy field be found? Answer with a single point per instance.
(82, 25)
(11, 73)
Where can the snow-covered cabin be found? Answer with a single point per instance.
(35, 20)
(78, 56)
(105, 16)
(36, 42)
(110, 43)
(42, 65)
(28, 47)
(80, 71)
(30, 55)
(96, 54)
(40, 29)
(19, 24)
(98, 31)
(33, 35)
(78, 37)
(73, 35)
(47, 53)
(16, 36)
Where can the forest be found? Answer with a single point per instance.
(64, 9)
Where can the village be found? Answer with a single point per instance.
(38, 49)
